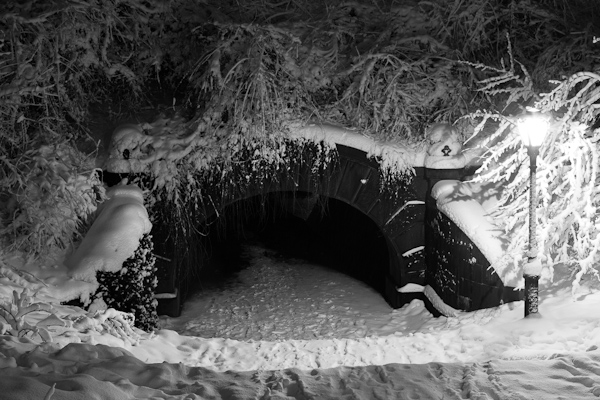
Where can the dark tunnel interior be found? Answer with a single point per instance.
(296, 225)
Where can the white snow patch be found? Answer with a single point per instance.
(403, 353)
(442, 162)
(114, 235)
(408, 203)
(432, 296)
(411, 288)
(413, 251)
(439, 304)
(533, 267)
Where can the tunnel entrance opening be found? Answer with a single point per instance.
(291, 225)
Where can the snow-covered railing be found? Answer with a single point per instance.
(466, 249)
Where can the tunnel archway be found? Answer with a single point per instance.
(356, 181)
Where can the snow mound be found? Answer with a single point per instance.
(114, 236)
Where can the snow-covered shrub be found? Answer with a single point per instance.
(15, 320)
(116, 323)
(47, 202)
(56, 59)
(15, 311)
(131, 289)
(567, 177)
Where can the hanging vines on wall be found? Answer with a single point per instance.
(197, 197)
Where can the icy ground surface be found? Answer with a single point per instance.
(278, 298)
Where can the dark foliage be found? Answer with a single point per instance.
(132, 288)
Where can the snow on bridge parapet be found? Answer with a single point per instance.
(463, 203)
(394, 156)
(136, 148)
(394, 153)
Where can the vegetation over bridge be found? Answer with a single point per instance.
(239, 72)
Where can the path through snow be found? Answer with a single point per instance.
(277, 298)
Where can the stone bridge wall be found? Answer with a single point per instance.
(424, 246)
(456, 268)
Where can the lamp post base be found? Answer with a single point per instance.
(531, 294)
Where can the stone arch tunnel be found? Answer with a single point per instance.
(424, 247)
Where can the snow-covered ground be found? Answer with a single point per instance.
(281, 299)
(286, 328)
(286, 313)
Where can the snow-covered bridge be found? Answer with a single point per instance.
(427, 251)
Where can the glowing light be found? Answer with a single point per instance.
(532, 129)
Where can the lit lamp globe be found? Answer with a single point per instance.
(532, 129)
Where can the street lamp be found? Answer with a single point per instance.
(532, 128)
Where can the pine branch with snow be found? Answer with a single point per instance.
(567, 175)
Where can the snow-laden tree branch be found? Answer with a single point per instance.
(567, 176)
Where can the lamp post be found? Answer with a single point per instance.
(532, 129)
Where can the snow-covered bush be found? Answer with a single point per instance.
(567, 177)
(20, 317)
(131, 289)
(55, 60)
(47, 202)
(114, 322)
(14, 313)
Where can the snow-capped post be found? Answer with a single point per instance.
(444, 158)
(444, 161)
(532, 128)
